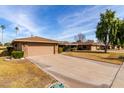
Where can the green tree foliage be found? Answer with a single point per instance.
(1, 44)
(17, 30)
(7, 44)
(120, 33)
(108, 28)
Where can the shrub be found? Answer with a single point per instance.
(66, 48)
(74, 49)
(3, 53)
(60, 49)
(9, 50)
(17, 54)
(121, 57)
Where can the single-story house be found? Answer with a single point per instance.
(33, 46)
(90, 46)
(82, 45)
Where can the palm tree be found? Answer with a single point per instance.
(17, 30)
(2, 30)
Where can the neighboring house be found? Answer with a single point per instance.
(83, 45)
(33, 46)
(90, 46)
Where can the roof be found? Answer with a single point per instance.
(35, 39)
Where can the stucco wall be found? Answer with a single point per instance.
(93, 48)
(17, 46)
(56, 48)
(34, 49)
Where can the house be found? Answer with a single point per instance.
(92, 46)
(33, 46)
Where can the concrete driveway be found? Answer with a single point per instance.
(77, 72)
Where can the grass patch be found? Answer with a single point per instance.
(22, 74)
(110, 57)
(1, 51)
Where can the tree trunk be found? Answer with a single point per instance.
(2, 37)
(106, 47)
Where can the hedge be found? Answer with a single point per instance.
(60, 49)
(121, 57)
(17, 54)
(9, 50)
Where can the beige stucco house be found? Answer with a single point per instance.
(34, 46)
(92, 46)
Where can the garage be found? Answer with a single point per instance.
(40, 49)
(35, 46)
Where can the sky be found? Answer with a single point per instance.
(53, 22)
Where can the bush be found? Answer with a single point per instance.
(60, 49)
(17, 54)
(121, 57)
(73, 49)
(9, 50)
(3, 53)
(66, 48)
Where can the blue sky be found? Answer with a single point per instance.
(54, 22)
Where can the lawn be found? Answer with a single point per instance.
(111, 57)
(22, 74)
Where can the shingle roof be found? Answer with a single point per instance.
(35, 39)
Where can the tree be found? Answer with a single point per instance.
(7, 44)
(2, 30)
(90, 41)
(107, 28)
(17, 30)
(120, 33)
(116, 33)
(80, 37)
(1, 44)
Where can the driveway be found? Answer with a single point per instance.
(77, 72)
(119, 80)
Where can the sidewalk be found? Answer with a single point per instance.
(119, 80)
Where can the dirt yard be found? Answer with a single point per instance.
(110, 57)
(22, 74)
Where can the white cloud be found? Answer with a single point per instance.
(21, 18)
(85, 20)
(70, 33)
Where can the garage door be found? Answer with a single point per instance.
(42, 49)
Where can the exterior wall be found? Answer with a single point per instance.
(84, 47)
(88, 47)
(56, 49)
(17, 46)
(34, 49)
(120, 48)
(115, 47)
(93, 48)
(25, 49)
(98, 48)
